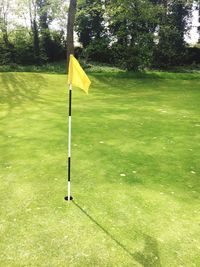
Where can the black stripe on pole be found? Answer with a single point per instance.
(70, 102)
(70, 114)
(69, 169)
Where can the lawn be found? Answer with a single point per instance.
(135, 171)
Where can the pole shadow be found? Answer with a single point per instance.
(148, 257)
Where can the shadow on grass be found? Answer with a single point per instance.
(158, 75)
(18, 89)
(149, 257)
(116, 84)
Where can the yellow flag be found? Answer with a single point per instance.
(77, 76)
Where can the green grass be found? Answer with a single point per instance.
(143, 126)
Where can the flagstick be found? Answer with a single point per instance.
(68, 197)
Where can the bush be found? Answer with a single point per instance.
(54, 47)
(20, 48)
(6, 54)
(98, 50)
(170, 50)
(135, 57)
(192, 56)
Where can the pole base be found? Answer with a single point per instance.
(66, 198)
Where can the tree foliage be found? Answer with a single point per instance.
(89, 21)
(173, 25)
(132, 24)
(33, 42)
(133, 34)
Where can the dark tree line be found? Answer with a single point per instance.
(36, 44)
(132, 34)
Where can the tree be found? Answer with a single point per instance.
(89, 21)
(132, 24)
(172, 29)
(4, 11)
(32, 4)
(92, 30)
(43, 6)
(133, 34)
(6, 54)
(70, 29)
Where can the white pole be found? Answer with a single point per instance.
(69, 144)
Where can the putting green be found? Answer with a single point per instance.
(135, 171)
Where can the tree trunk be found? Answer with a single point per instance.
(36, 46)
(70, 29)
(198, 29)
(43, 7)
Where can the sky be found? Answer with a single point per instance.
(193, 36)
